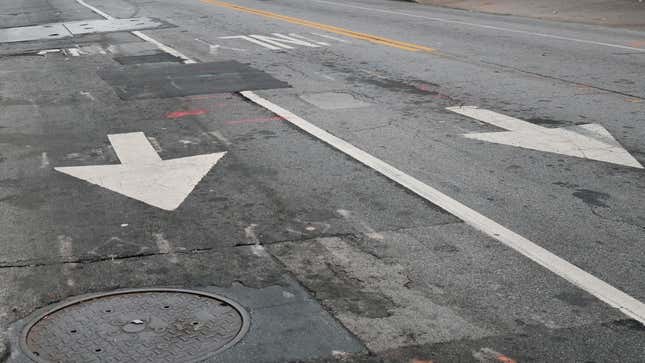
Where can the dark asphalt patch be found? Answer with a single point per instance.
(150, 58)
(148, 81)
(592, 197)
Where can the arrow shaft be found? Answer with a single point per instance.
(496, 119)
(134, 148)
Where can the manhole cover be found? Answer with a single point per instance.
(143, 325)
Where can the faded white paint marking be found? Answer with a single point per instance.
(252, 40)
(65, 251)
(249, 232)
(591, 141)
(508, 30)
(213, 48)
(88, 95)
(165, 247)
(74, 52)
(331, 37)
(577, 276)
(44, 160)
(294, 35)
(356, 221)
(279, 40)
(143, 176)
(218, 135)
(325, 76)
(47, 51)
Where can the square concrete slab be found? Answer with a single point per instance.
(333, 100)
(28, 33)
(111, 25)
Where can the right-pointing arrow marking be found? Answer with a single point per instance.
(591, 141)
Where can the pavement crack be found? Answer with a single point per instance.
(564, 80)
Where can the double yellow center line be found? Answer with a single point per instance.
(332, 29)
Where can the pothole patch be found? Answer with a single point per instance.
(152, 325)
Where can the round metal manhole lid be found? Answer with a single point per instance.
(142, 325)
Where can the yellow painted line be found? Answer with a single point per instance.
(330, 28)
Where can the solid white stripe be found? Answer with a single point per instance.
(584, 280)
(94, 9)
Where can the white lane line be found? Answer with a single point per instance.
(142, 36)
(509, 30)
(94, 9)
(584, 280)
(164, 47)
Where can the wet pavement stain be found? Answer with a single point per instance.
(591, 197)
(576, 298)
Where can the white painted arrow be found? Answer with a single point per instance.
(143, 176)
(591, 141)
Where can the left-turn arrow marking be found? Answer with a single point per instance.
(143, 176)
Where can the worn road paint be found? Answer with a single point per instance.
(165, 247)
(591, 141)
(332, 29)
(253, 120)
(179, 114)
(213, 48)
(66, 253)
(143, 176)
(88, 95)
(74, 52)
(325, 44)
(577, 276)
(363, 225)
(331, 37)
(279, 40)
(508, 30)
(252, 40)
(44, 160)
(221, 138)
(44, 52)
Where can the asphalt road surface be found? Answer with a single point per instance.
(370, 180)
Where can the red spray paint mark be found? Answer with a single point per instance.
(504, 359)
(179, 114)
(253, 120)
(637, 44)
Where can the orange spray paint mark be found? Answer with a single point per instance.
(504, 359)
(179, 114)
